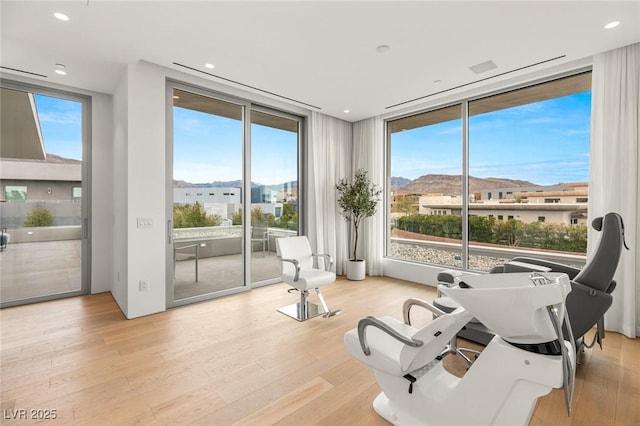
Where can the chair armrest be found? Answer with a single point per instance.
(374, 322)
(409, 303)
(327, 260)
(518, 266)
(297, 266)
(555, 266)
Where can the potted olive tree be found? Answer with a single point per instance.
(357, 201)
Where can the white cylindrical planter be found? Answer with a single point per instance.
(356, 269)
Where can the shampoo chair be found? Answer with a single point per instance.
(526, 358)
(591, 286)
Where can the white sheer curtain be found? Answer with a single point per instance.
(615, 159)
(368, 154)
(330, 141)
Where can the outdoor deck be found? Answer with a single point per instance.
(36, 269)
(39, 269)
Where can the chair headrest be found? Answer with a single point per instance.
(599, 271)
(598, 222)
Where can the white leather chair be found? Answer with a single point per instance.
(298, 270)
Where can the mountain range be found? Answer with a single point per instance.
(452, 184)
(228, 184)
(432, 183)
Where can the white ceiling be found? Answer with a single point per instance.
(317, 53)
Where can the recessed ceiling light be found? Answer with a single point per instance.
(383, 48)
(612, 25)
(347, 111)
(210, 66)
(61, 69)
(61, 16)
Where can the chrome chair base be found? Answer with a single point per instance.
(453, 348)
(303, 311)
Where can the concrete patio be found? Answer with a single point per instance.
(36, 269)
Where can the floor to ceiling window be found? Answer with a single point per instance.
(234, 191)
(525, 171)
(426, 167)
(208, 136)
(44, 209)
(274, 189)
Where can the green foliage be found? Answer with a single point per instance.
(193, 216)
(236, 219)
(289, 217)
(39, 216)
(271, 219)
(447, 226)
(357, 201)
(481, 228)
(288, 213)
(257, 216)
(512, 233)
(288, 220)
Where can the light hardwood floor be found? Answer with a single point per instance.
(236, 360)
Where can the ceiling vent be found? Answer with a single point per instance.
(22, 71)
(483, 67)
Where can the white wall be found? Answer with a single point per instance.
(423, 274)
(145, 171)
(139, 191)
(101, 193)
(118, 222)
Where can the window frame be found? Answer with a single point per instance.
(464, 100)
(86, 218)
(11, 199)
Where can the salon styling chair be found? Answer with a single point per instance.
(298, 270)
(526, 359)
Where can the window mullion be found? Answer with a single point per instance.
(465, 185)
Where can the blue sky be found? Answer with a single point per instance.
(61, 126)
(544, 143)
(208, 148)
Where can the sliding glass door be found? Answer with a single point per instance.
(234, 190)
(274, 189)
(44, 216)
(207, 193)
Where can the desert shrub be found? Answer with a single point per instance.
(39, 216)
(512, 233)
(193, 216)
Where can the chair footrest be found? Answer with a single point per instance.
(302, 312)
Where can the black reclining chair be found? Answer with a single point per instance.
(591, 286)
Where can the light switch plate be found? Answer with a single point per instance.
(145, 222)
